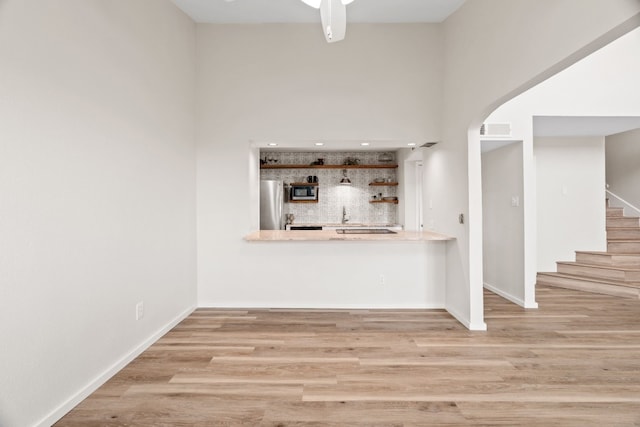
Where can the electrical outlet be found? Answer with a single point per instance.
(139, 310)
(382, 279)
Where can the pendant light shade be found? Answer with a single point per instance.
(345, 179)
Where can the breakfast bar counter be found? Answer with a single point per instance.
(328, 269)
(332, 235)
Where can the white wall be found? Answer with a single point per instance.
(571, 208)
(536, 39)
(97, 193)
(623, 166)
(503, 223)
(284, 82)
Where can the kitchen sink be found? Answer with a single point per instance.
(364, 231)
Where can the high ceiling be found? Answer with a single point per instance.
(293, 11)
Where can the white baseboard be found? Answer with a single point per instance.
(247, 306)
(508, 296)
(82, 394)
(505, 295)
(267, 306)
(482, 326)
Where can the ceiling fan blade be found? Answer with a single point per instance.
(333, 14)
(313, 3)
(334, 20)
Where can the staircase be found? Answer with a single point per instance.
(615, 272)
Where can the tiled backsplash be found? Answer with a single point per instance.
(332, 196)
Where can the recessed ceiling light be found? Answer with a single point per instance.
(272, 144)
(364, 144)
(412, 144)
(319, 144)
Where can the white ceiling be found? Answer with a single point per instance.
(294, 11)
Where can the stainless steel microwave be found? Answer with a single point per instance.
(303, 192)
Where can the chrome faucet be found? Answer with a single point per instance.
(345, 218)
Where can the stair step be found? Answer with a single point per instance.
(623, 233)
(624, 222)
(600, 271)
(615, 212)
(608, 259)
(623, 246)
(607, 287)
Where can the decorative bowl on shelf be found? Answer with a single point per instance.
(378, 180)
(351, 161)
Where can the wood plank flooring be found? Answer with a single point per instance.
(573, 362)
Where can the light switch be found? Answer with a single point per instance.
(515, 201)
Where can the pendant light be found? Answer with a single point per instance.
(345, 179)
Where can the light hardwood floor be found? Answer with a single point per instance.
(573, 362)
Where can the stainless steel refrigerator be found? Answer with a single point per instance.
(271, 205)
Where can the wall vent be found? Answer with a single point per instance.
(495, 129)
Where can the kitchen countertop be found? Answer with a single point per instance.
(331, 235)
(340, 225)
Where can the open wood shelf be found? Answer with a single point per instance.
(394, 202)
(385, 166)
(383, 184)
(304, 184)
